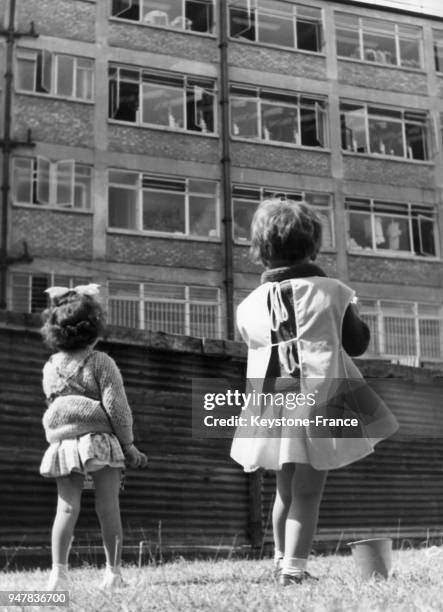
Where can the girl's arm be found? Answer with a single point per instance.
(114, 398)
(355, 332)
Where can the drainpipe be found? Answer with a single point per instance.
(7, 145)
(226, 168)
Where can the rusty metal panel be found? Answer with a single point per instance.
(398, 489)
(191, 492)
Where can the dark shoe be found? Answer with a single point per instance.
(287, 579)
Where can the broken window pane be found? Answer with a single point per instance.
(199, 15)
(126, 9)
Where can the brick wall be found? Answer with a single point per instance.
(263, 59)
(144, 38)
(159, 143)
(51, 233)
(164, 252)
(359, 74)
(280, 159)
(74, 19)
(3, 5)
(387, 270)
(389, 172)
(55, 121)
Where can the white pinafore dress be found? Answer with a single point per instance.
(324, 368)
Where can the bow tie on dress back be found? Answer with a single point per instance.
(57, 293)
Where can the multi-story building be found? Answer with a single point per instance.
(159, 125)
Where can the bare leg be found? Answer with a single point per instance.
(68, 508)
(301, 522)
(69, 489)
(282, 503)
(107, 506)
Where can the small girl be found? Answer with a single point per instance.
(88, 425)
(300, 328)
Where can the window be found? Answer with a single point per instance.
(28, 290)
(401, 228)
(406, 332)
(295, 26)
(175, 309)
(382, 42)
(150, 203)
(385, 131)
(65, 183)
(161, 99)
(438, 50)
(194, 15)
(55, 74)
(245, 200)
(274, 116)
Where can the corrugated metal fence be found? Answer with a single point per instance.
(193, 494)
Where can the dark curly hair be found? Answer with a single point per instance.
(284, 230)
(72, 322)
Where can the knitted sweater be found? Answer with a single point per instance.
(76, 383)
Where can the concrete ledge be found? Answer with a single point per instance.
(137, 337)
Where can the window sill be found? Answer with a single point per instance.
(161, 128)
(254, 43)
(169, 236)
(51, 96)
(394, 255)
(62, 209)
(380, 156)
(356, 60)
(209, 35)
(273, 143)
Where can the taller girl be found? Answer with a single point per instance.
(300, 328)
(88, 425)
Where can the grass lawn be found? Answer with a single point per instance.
(248, 586)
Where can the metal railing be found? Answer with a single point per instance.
(198, 319)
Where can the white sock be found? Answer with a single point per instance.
(57, 577)
(293, 566)
(278, 558)
(112, 569)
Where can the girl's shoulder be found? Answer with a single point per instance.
(103, 360)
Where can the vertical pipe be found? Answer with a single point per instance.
(226, 167)
(6, 154)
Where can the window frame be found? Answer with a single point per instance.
(53, 184)
(426, 125)
(412, 213)
(187, 301)
(114, 89)
(437, 44)
(397, 37)
(53, 72)
(258, 95)
(256, 11)
(188, 193)
(378, 309)
(264, 192)
(52, 279)
(188, 30)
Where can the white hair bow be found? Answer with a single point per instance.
(58, 292)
